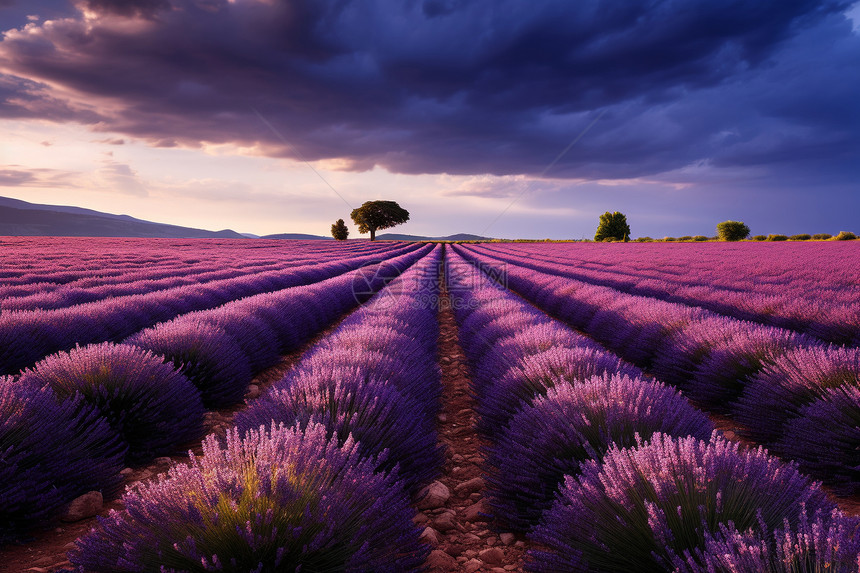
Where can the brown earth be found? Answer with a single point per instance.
(463, 537)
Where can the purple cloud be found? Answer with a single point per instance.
(458, 86)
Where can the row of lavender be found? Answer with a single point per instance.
(27, 336)
(89, 274)
(609, 470)
(808, 288)
(791, 392)
(71, 423)
(318, 473)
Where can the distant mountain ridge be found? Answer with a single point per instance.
(20, 218)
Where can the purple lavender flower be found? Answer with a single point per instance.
(782, 387)
(724, 372)
(154, 409)
(278, 500)
(378, 417)
(537, 374)
(826, 544)
(207, 355)
(824, 439)
(51, 451)
(644, 505)
(573, 423)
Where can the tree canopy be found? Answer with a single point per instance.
(375, 215)
(339, 230)
(732, 231)
(612, 226)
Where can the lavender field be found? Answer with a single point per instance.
(619, 407)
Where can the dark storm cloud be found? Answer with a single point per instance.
(461, 86)
(146, 8)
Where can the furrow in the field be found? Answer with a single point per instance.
(372, 387)
(124, 400)
(28, 336)
(40, 292)
(553, 403)
(824, 315)
(787, 391)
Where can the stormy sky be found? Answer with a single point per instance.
(505, 118)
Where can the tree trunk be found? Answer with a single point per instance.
(372, 234)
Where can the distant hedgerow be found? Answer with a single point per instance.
(777, 237)
(845, 236)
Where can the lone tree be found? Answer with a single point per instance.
(374, 215)
(339, 230)
(612, 226)
(732, 231)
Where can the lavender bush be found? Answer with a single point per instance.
(51, 451)
(519, 386)
(722, 375)
(152, 407)
(644, 505)
(801, 375)
(354, 403)
(574, 423)
(825, 544)
(207, 355)
(824, 439)
(278, 500)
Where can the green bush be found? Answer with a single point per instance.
(685, 238)
(701, 238)
(845, 236)
(801, 237)
(732, 231)
(777, 237)
(759, 237)
(669, 239)
(821, 236)
(644, 240)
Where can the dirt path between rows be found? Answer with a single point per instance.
(463, 536)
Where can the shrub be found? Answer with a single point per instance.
(643, 506)
(825, 439)
(701, 238)
(759, 237)
(644, 240)
(686, 238)
(732, 231)
(278, 500)
(825, 544)
(669, 239)
(777, 237)
(353, 404)
(845, 236)
(51, 451)
(724, 372)
(821, 236)
(536, 376)
(573, 423)
(253, 335)
(207, 355)
(801, 237)
(789, 382)
(152, 407)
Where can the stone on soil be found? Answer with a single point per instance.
(85, 506)
(437, 494)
